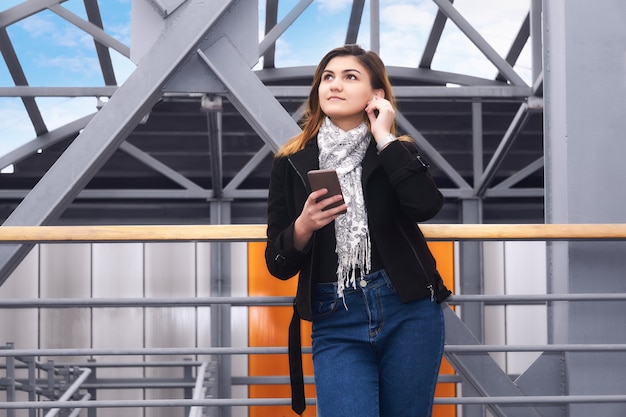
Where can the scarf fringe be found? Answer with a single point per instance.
(360, 257)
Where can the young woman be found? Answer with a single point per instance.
(367, 279)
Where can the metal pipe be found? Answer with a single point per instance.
(85, 372)
(245, 402)
(198, 390)
(77, 411)
(285, 301)
(305, 349)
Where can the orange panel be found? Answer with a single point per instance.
(268, 327)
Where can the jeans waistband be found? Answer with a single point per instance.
(372, 280)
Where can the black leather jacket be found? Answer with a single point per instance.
(398, 191)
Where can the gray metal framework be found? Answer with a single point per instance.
(507, 107)
(75, 386)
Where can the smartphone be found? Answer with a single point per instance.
(326, 178)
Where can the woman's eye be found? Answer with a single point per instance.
(351, 77)
(327, 77)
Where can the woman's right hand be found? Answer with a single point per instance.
(313, 216)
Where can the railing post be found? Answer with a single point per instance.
(93, 393)
(221, 314)
(187, 377)
(9, 380)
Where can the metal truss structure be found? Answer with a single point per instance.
(196, 135)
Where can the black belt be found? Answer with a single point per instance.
(296, 376)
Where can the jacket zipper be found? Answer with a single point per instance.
(430, 285)
(312, 237)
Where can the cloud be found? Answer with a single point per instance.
(407, 17)
(86, 66)
(404, 30)
(59, 34)
(120, 31)
(59, 111)
(333, 6)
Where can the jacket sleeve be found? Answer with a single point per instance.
(418, 194)
(282, 258)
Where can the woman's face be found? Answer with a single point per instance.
(344, 91)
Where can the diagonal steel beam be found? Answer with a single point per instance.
(98, 34)
(243, 173)
(433, 39)
(523, 173)
(270, 38)
(110, 127)
(355, 21)
(431, 153)
(160, 167)
(19, 78)
(24, 10)
(481, 371)
(519, 121)
(453, 14)
(250, 97)
(518, 45)
(44, 141)
(104, 56)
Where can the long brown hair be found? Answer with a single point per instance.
(314, 116)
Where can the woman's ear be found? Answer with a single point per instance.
(379, 92)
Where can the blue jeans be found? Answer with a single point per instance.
(378, 357)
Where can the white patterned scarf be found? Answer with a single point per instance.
(343, 151)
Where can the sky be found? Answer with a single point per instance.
(54, 53)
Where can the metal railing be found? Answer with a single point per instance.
(76, 382)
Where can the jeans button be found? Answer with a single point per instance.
(363, 283)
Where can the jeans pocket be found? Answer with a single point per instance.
(324, 306)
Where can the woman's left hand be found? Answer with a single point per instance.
(381, 115)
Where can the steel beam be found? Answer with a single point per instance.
(19, 78)
(161, 168)
(355, 21)
(480, 370)
(480, 42)
(44, 141)
(518, 45)
(27, 91)
(104, 56)
(268, 51)
(518, 123)
(375, 26)
(270, 38)
(433, 39)
(431, 153)
(24, 10)
(231, 187)
(250, 97)
(486, 93)
(96, 32)
(520, 175)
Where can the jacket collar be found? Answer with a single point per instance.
(370, 161)
(308, 158)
